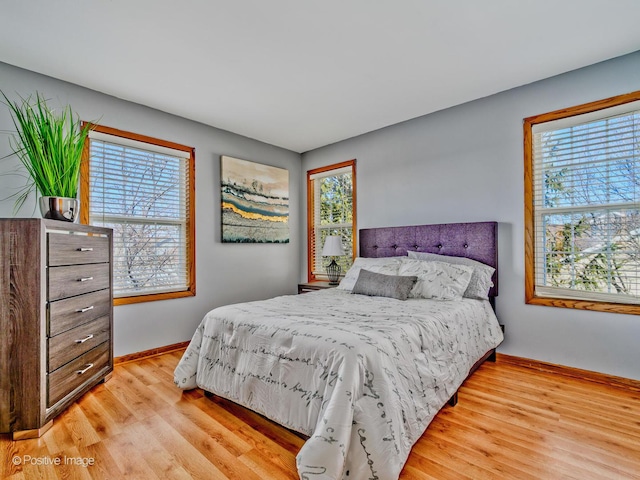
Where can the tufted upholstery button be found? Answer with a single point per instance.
(466, 246)
(394, 246)
(375, 247)
(416, 247)
(439, 245)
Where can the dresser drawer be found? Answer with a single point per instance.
(65, 249)
(71, 312)
(70, 376)
(73, 343)
(74, 280)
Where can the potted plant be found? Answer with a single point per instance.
(49, 145)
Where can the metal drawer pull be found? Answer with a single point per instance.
(85, 249)
(88, 337)
(85, 309)
(80, 372)
(85, 279)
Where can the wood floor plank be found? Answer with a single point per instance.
(126, 449)
(104, 466)
(41, 472)
(214, 448)
(79, 427)
(260, 462)
(552, 447)
(168, 392)
(570, 384)
(16, 476)
(193, 417)
(511, 422)
(281, 436)
(118, 410)
(120, 387)
(157, 458)
(474, 459)
(184, 452)
(575, 433)
(145, 375)
(35, 448)
(58, 440)
(621, 417)
(160, 367)
(103, 424)
(138, 390)
(427, 467)
(278, 455)
(411, 473)
(501, 448)
(72, 465)
(612, 424)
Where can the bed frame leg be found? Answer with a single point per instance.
(492, 357)
(453, 400)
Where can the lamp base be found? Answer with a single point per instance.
(333, 272)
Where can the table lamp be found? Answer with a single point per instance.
(333, 248)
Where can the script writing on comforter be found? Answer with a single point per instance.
(361, 376)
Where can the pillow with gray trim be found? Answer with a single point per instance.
(387, 265)
(437, 280)
(381, 285)
(480, 282)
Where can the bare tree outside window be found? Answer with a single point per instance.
(586, 205)
(591, 247)
(142, 195)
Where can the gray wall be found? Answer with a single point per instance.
(466, 164)
(226, 273)
(461, 164)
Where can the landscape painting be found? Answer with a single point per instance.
(255, 202)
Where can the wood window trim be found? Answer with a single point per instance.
(529, 217)
(191, 214)
(310, 195)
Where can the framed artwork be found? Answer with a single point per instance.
(255, 202)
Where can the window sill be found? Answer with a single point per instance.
(153, 297)
(585, 305)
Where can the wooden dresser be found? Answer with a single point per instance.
(56, 319)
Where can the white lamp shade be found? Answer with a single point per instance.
(332, 246)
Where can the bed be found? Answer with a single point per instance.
(361, 376)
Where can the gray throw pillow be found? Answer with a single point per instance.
(381, 285)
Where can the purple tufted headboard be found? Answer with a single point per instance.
(478, 241)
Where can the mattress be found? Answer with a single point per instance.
(361, 376)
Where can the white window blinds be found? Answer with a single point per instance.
(140, 190)
(586, 200)
(332, 215)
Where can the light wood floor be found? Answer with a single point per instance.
(511, 422)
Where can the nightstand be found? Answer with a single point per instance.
(315, 285)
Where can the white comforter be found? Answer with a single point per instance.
(361, 376)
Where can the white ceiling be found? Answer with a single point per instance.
(302, 74)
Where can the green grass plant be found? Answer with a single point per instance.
(49, 146)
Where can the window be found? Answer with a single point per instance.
(582, 206)
(331, 210)
(142, 188)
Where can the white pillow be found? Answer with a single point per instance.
(480, 282)
(385, 265)
(437, 280)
